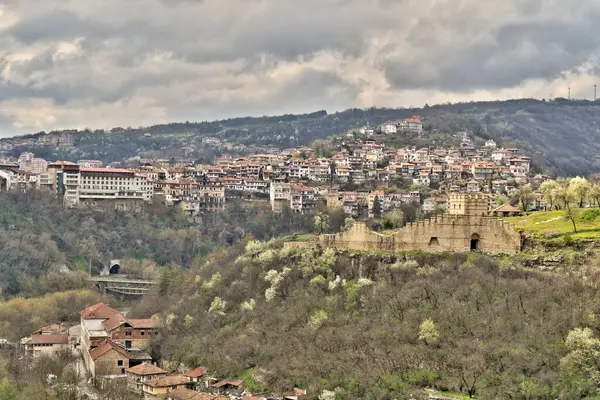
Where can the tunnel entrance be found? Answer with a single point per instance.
(115, 269)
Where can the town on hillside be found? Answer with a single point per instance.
(358, 173)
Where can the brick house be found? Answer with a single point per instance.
(110, 358)
(133, 333)
(136, 376)
(158, 388)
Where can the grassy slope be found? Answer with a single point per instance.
(553, 224)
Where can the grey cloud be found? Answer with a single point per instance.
(206, 58)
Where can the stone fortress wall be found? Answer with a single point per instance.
(466, 227)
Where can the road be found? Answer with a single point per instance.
(84, 386)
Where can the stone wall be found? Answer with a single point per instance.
(449, 233)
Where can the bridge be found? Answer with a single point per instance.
(122, 285)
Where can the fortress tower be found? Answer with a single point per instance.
(471, 204)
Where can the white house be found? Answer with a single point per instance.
(389, 127)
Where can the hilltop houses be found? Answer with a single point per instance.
(296, 179)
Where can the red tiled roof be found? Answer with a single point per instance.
(196, 372)
(165, 381)
(48, 339)
(98, 311)
(113, 322)
(300, 187)
(232, 382)
(107, 170)
(146, 369)
(145, 323)
(106, 346)
(507, 208)
(187, 394)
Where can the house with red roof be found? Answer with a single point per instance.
(159, 388)
(39, 345)
(112, 359)
(411, 125)
(101, 323)
(229, 386)
(195, 375)
(136, 376)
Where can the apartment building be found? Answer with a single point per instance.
(122, 189)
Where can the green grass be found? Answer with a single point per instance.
(250, 383)
(553, 225)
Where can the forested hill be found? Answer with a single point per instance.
(560, 135)
(373, 327)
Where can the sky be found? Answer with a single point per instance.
(101, 64)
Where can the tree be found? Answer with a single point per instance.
(376, 207)
(428, 332)
(348, 224)
(595, 194)
(580, 189)
(321, 223)
(565, 196)
(501, 200)
(393, 220)
(524, 197)
(581, 366)
(571, 214)
(548, 190)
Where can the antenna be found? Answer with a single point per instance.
(595, 92)
(569, 92)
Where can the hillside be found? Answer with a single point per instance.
(560, 135)
(39, 238)
(374, 327)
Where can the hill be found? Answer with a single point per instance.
(374, 327)
(561, 135)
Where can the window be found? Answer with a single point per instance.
(120, 363)
(128, 332)
(142, 333)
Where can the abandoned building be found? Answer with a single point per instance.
(466, 227)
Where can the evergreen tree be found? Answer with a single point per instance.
(376, 207)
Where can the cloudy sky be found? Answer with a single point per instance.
(105, 63)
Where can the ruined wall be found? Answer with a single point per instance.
(444, 233)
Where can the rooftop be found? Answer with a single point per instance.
(145, 323)
(48, 339)
(98, 311)
(106, 346)
(146, 369)
(196, 372)
(165, 381)
(232, 382)
(106, 170)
